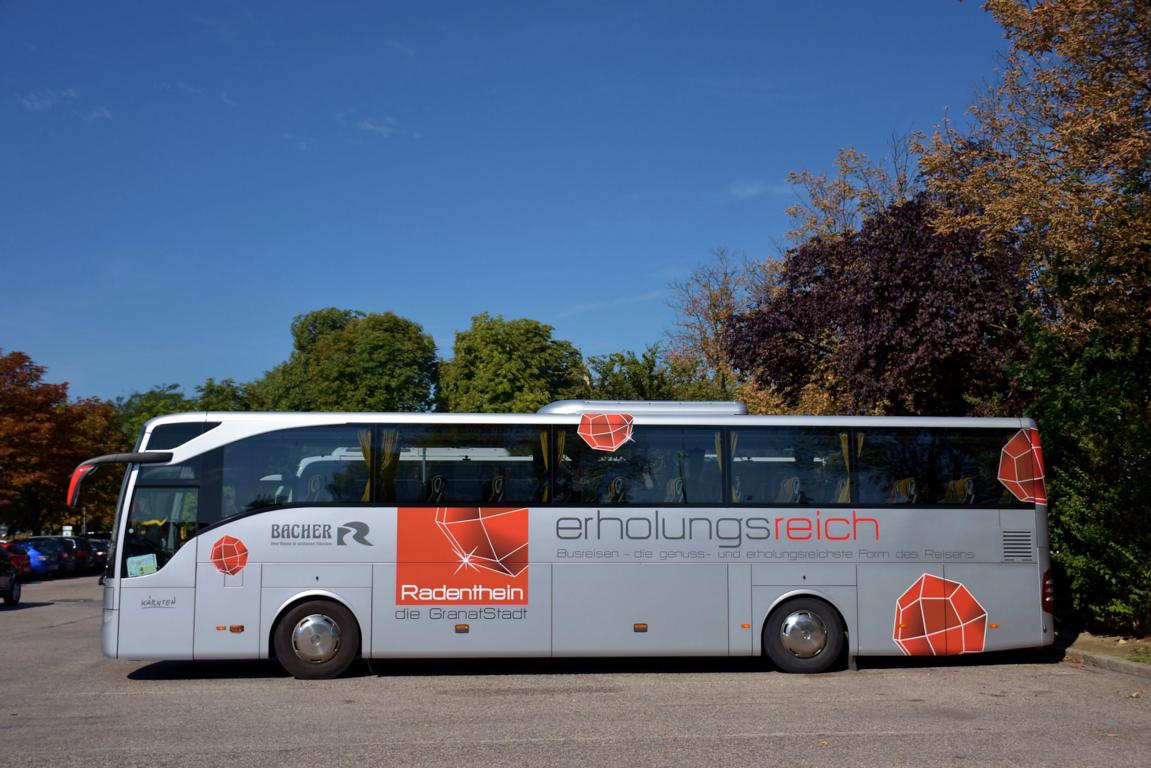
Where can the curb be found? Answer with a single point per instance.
(1107, 662)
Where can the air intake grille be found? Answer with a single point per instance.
(1018, 547)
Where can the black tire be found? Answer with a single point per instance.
(12, 597)
(803, 635)
(329, 640)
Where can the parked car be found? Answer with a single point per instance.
(99, 549)
(44, 553)
(19, 557)
(9, 579)
(81, 553)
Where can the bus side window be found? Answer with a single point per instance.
(967, 468)
(462, 464)
(788, 466)
(894, 466)
(660, 465)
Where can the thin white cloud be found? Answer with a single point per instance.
(300, 143)
(40, 101)
(384, 127)
(745, 190)
(609, 304)
(752, 188)
(182, 87)
(100, 113)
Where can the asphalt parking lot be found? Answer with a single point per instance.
(63, 704)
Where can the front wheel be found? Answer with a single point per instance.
(803, 635)
(316, 640)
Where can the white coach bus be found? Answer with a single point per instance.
(587, 529)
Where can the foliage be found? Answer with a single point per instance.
(1094, 402)
(1059, 158)
(42, 438)
(137, 408)
(309, 327)
(892, 319)
(651, 375)
(1060, 155)
(224, 395)
(350, 361)
(705, 304)
(91, 428)
(860, 189)
(509, 366)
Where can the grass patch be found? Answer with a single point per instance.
(1142, 654)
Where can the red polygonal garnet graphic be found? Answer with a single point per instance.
(605, 431)
(939, 617)
(487, 538)
(229, 555)
(1021, 467)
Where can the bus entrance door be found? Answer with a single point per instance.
(227, 601)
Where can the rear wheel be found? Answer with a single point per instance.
(804, 635)
(12, 596)
(317, 639)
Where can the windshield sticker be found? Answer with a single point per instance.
(141, 565)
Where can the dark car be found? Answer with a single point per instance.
(81, 553)
(99, 549)
(9, 579)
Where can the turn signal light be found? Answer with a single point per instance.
(639, 627)
(463, 629)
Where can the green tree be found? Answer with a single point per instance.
(626, 376)
(307, 328)
(509, 366)
(137, 408)
(350, 361)
(224, 395)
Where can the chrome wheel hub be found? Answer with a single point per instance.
(803, 634)
(316, 638)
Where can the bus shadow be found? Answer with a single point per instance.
(1047, 655)
(508, 667)
(209, 670)
(676, 665)
(552, 666)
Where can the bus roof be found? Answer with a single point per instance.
(228, 426)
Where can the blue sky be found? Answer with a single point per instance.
(178, 180)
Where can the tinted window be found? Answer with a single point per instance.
(168, 436)
(466, 464)
(658, 466)
(931, 467)
(160, 521)
(792, 466)
(310, 465)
